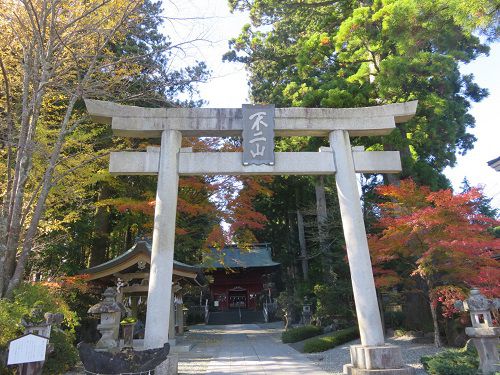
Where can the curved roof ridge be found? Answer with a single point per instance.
(141, 246)
(232, 256)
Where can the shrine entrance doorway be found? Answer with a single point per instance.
(238, 298)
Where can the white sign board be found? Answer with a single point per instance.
(28, 348)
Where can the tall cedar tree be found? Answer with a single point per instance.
(315, 53)
(349, 54)
(439, 237)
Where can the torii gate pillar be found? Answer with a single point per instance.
(162, 251)
(363, 285)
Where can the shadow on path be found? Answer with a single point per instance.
(242, 349)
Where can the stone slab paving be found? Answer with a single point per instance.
(242, 349)
(257, 350)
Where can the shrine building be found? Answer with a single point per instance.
(242, 278)
(129, 272)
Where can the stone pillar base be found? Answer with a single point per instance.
(486, 342)
(169, 366)
(349, 370)
(380, 360)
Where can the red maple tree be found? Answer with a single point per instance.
(439, 237)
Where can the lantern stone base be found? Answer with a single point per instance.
(380, 360)
(107, 341)
(486, 342)
(169, 366)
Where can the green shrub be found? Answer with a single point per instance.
(463, 361)
(300, 333)
(64, 356)
(10, 321)
(320, 344)
(195, 317)
(400, 332)
(334, 300)
(26, 296)
(394, 319)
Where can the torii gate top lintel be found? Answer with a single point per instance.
(139, 122)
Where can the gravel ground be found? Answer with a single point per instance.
(333, 359)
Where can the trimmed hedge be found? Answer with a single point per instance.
(300, 333)
(463, 361)
(320, 344)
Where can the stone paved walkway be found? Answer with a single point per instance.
(242, 349)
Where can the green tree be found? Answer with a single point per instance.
(344, 54)
(483, 203)
(316, 53)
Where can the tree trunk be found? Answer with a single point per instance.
(129, 239)
(303, 249)
(321, 219)
(381, 310)
(435, 323)
(40, 204)
(392, 178)
(102, 229)
(3, 252)
(437, 337)
(31, 108)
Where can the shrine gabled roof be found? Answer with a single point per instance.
(495, 164)
(140, 251)
(231, 256)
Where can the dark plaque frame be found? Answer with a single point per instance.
(258, 134)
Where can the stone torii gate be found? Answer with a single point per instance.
(170, 161)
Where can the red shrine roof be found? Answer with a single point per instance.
(231, 256)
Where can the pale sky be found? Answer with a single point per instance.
(210, 25)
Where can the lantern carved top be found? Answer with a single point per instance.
(108, 305)
(478, 302)
(479, 308)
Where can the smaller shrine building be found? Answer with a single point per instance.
(129, 272)
(242, 278)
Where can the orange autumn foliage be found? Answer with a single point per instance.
(227, 199)
(440, 237)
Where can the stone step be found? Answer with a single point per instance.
(233, 317)
(224, 317)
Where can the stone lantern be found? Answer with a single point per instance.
(39, 323)
(110, 313)
(306, 312)
(484, 335)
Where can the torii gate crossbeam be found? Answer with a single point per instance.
(170, 161)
